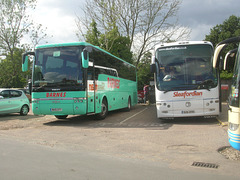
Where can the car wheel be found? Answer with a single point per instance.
(104, 110)
(24, 110)
(61, 117)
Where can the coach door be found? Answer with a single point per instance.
(90, 90)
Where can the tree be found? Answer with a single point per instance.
(145, 23)
(144, 74)
(11, 75)
(37, 34)
(116, 44)
(14, 23)
(121, 49)
(111, 41)
(92, 36)
(229, 28)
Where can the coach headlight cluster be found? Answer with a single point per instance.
(164, 104)
(233, 127)
(35, 100)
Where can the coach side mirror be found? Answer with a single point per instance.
(30, 87)
(25, 63)
(25, 59)
(231, 54)
(153, 68)
(153, 64)
(85, 58)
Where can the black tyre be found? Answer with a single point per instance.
(61, 117)
(104, 110)
(24, 110)
(129, 105)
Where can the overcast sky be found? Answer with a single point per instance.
(199, 15)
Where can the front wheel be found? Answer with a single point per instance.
(61, 117)
(24, 110)
(104, 110)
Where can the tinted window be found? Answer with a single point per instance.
(58, 67)
(5, 94)
(234, 93)
(113, 66)
(186, 67)
(15, 93)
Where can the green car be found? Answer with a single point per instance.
(13, 101)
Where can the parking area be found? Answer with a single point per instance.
(137, 134)
(140, 116)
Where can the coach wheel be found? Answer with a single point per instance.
(104, 110)
(129, 104)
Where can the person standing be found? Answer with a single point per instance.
(146, 92)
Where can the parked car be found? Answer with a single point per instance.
(26, 91)
(13, 101)
(140, 96)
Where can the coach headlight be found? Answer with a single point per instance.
(233, 127)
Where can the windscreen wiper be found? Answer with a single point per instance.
(204, 87)
(206, 84)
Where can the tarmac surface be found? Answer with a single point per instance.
(137, 135)
(223, 117)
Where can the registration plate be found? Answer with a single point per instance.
(56, 109)
(188, 112)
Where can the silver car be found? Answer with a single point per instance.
(13, 101)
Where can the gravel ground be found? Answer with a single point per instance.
(230, 153)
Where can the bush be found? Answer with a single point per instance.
(226, 75)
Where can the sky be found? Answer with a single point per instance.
(199, 15)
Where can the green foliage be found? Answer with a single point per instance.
(14, 22)
(226, 75)
(116, 44)
(144, 74)
(229, 28)
(92, 35)
(11, 75)
(111, 41)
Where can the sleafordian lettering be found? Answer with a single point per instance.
(187, 94)
(60, 94)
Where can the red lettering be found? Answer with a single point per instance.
(113, 83)
(56, 94)
(187, 94)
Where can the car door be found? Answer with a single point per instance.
(5, 104)
(15, 100)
